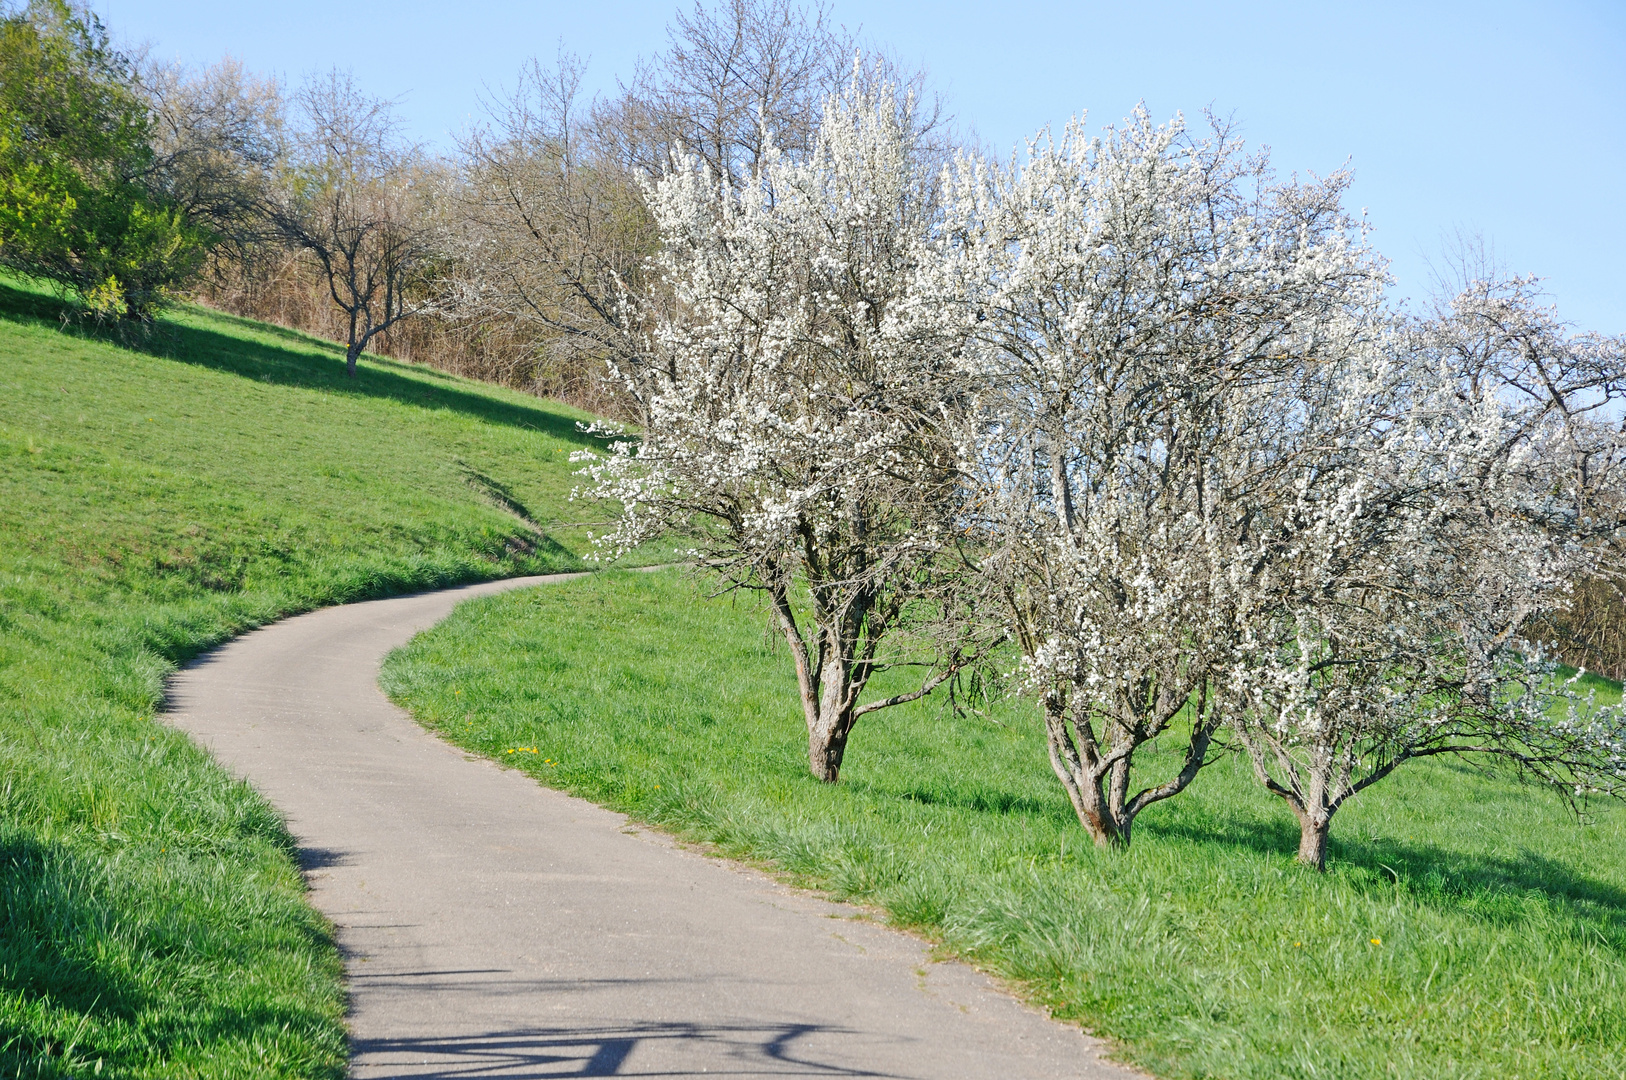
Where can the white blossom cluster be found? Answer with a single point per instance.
(796, 399)
(1227, 491)
(1143, 303)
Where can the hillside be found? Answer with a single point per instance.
(159, 497)
(162, 495)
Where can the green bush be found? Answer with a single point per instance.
(76, 207)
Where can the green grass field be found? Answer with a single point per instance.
(1468, 926)
(156, 500)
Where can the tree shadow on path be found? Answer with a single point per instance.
(673, 1049)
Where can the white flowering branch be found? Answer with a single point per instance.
(798, 400)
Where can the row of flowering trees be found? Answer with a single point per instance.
(1136, 412)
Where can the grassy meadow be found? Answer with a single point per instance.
(156, 497)
(1468, 926)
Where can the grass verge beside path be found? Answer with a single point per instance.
(155, 501)
(1468, 927)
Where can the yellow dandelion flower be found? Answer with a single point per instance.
(1377, 941)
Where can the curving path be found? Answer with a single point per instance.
(492, 927)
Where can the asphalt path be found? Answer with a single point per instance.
(492, 927)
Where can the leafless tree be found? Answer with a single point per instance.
(217, 138)
(358, 198)
(553, 229)
(550, 232)
(733, 77)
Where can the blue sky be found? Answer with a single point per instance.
(1505, 119)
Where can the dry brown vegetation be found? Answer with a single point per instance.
(286, 288)
(1592, 634)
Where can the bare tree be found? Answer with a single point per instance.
(742, 73)
(217, 137)
(550, 233)
(733, 76)
(357, 198)
(553, 230)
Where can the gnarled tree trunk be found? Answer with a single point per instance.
(831, 719)
(1313, 830)
(1313, 791)
(1095, 772)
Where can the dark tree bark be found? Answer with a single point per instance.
(1313, 830)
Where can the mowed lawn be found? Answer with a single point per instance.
(155, 500)
(1468, 925)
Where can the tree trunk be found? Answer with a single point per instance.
(1310, 802)
(1085, 787)
(1095, 814)
(825, 746)
(1313, 830)
(350, 356)
(831, 721)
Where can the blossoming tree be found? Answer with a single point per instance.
(1461, 483)
(796, 398)
(1136, 299)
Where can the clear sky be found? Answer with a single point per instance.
(1498, 118)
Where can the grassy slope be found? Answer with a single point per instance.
(1468, 926)
(154, 501)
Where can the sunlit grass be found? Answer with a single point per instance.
(1468, 926)
(158, 496)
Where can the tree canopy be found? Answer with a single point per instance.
(79, 200)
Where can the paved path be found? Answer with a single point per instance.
(492, 927)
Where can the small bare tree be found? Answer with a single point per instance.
(358, 199)
(736, 77)
(217, 137)
(549, 234)
(797, 397)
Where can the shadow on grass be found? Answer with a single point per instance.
(47, 912)
(1494, 888)
(1490, 886)
(306, 362)
(981, 801)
